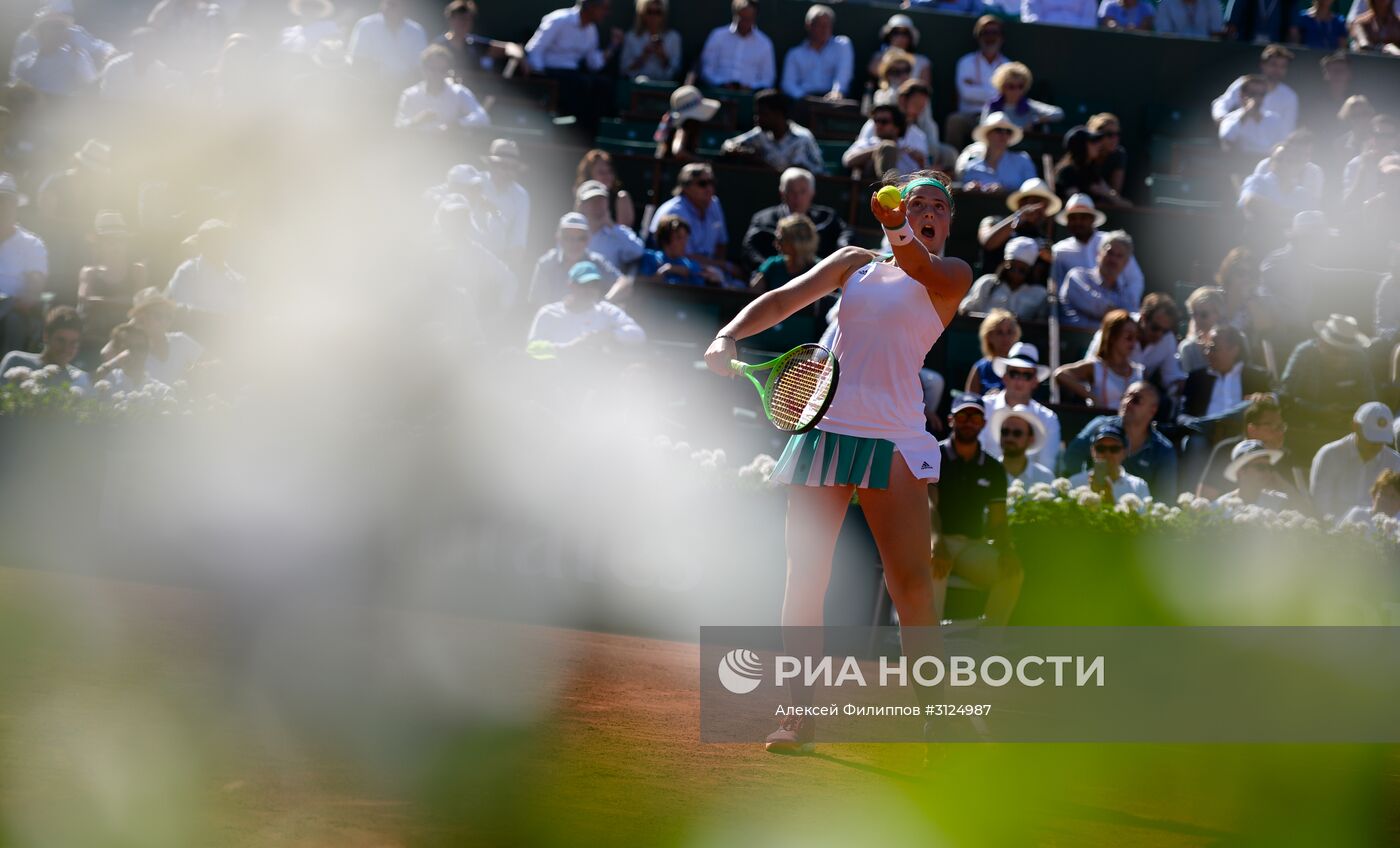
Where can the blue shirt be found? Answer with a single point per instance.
(1315, 33)
(707, 230)
(965, 7)
(1014, 169)
(1114, 10)
(988, 375)
(1154, 462)
(652, 261)
(808, 71)
(1084, 299)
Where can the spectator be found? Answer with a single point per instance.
(1196, 18)
(1318, 27)
(970, 531)
(992, 166)
(56, 66)
(997, 334)
(1081, 248)
(1206, 306)
(775, 140)
(1077, 172)
(1385, 500)
(1325, 113)
(1149, 454)
(975, 71)
(1344, 471)
(1278, 97)
(581, 321)
(124, 358)
(1220, 388)
(739, 55)
(1328, 376)
(797, 243)
(822, 65)
(695, 201)
(1010, 287)
(1156, 347)
(797, 188)
(504, 191)
(1013, 84)
(1290, 273)
(1107, 476)
(959, 7)
(1021, 373)
(63, 335)
(207, 283)
(1127, 15)
(915, 98)
(1071, 13)
(315, 24)
(1256, 21)
(1022, 437)
(616, 243)
(1377, 28)
(671, 264)
(895, 69)
(1253, 465)
(438, 103)
(567, 48)
(1252, 127)
(899, 33)
(99, 51)
(138, 75)
(387, 44)
(106, 287)
(887, 143)
(1361, 177)
(1238, 275)
(1274, 197)
(1110, 158)
(169, 355)
(651, 49)
(24, 272)
(1263, 422)
(550, 282)
(597, 165)
(1031, 206)
(1102, 377)
(472, 55)
(678, 134)
(1087, 295)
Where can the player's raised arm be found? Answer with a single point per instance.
(917, 218)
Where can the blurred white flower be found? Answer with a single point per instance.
(1130, 501)
(1041, 489)
(1184, 499)
(1061, 485)
(1042, 497)
(77, 391)
(18, 374)
(718, 456)
(1087, 498)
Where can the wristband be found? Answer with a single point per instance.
(902, 236)
(727, 336)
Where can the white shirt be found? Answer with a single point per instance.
(1268, 499)
(511, 229)
(204, 286)
(1071, 253)
(63, 72)
(1267, 186)
(1313, 177)
(184, 352)
(1076, 13)
(975, 80)
(1253, 136)
(121, 81)
(1160, 356)
(454, 105)
(1034, 473)
(1046, 454)
(1126, 484)
(396, 53)
(556, 324)
(914, 139)
(1226, 394)
(20, 254)
(303, 38)
(731, 58)
(1340, 480)
(620, 245)
(562, 42)
(1282, 101)
(807, 70)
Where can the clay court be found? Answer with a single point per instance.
(128, 719)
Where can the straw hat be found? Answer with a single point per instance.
(110, 223)
(997, 120)
(1035, 187)
(1021, 355)
(1246, 452)
(1026, 414)
(1342, 332)
(900, 22)
(1081, 204)
(687, 103)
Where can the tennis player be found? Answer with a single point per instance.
(872, 439)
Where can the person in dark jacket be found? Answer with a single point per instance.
(798, 188)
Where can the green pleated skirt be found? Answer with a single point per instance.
(818, 458)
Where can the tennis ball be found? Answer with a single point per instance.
(889, 197)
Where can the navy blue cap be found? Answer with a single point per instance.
(968, 400)
(1110, 430)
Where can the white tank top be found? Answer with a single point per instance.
(885, 327)
(1109, 385)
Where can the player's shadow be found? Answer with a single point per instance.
(865, 767)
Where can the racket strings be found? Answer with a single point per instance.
(798, 392)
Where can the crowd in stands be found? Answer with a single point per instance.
(1257, 382)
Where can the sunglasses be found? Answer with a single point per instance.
(1014, 86)
(1159, 329)
(999, 131)
(1016, 374)
(1108, 448)
(702, 183)
(990, 33)
(883, 122)
(901, 70)
(1014, 433)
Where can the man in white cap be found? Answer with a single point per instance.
(56, 66)
(207, 283)
(1031, 205)
(1021, 372)
(1081, 248)
(551, 279)
(387, 44)
(1253, 467)
(1010, 288)
(739, 55)
(1328, 377)
(24, 271)
(822, 65)
(1020, 435)
(616, 243)
(989, 164)
(1344, 470)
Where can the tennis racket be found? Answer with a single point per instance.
(798, 388)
